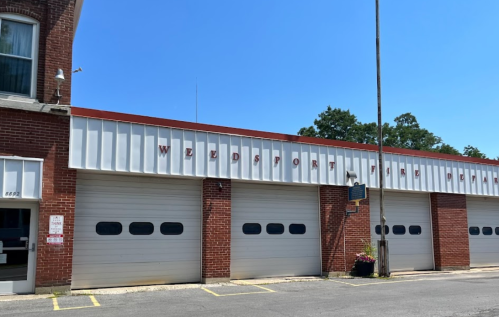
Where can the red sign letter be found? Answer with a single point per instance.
(314, 163)
(473, 178)
(449, 175)
(485, 179)
(188, 151)
(373, 167)
(164, 148)
(461, 177)
(388, 171)
(332, 164)
(235, 156)
(257, 158)
(495, 180)
(213, 154)
(277, 159)
(417, 172)
(402, 171)
(296, 161)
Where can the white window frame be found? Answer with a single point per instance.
(34, 50)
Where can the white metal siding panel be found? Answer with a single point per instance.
(483, 212)
(407, 252)
(265, 255)
(106, 145)
(125, 259)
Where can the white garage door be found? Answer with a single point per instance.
(409, 225)
(136, 231)
(281, 231)
(483, 223)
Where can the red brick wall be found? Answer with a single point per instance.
(46, 136)
(342, 237)
(56, 42)
(216, 229)
(450, 231)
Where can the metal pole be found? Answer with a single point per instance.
(382, 248)
(196, 100)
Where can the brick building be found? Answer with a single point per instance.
(92, 198)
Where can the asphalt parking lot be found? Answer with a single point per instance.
(465, 294)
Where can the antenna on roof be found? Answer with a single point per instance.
(196, 100)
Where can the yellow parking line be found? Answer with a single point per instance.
(213, 293)
(267, 290)
(92, 298)
(264, 288)
(344, 283)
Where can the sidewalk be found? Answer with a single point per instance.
(262, 281)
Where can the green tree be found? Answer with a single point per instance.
(447, 149)
(408, 134)
(333, 124)
(472, 151)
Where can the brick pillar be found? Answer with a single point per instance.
(216, 230)
(450, 232)
(341, 236)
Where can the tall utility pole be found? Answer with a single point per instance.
(383, 269)
(196, 100)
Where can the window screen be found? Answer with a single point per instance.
(487, 231)
(398, 230)
(474, 231)
(252, 228)
(297, 228)
(141, 228)
(275, 228)
(415, 230)
(171, 228)
(378, 229)
(108, 228)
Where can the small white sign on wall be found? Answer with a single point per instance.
(56, 224)
(55, 239)
(3, 258)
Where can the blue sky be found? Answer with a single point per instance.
(275, 65)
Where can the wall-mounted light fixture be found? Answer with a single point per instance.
(59, 77)
(220, 186)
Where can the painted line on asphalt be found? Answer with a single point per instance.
(266, 290)
(92, 298)
(376, 283)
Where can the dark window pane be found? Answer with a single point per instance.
(16, 38)
(415, 230)
(252, 228)
(474, 231)
(108, 228)
(141, 228)
(378, 229)
(296, 228)
(171, 228)
(15, 75)
(497, 231)
(487, 231)
(275, 228)
(399, 230)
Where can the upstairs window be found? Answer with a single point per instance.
(18, 55)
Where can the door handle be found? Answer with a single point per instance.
(33, 247)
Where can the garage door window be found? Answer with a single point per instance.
(252, 228)
(275, 228)
(474, 231)
(378, 229)
(296, 228)
(141, 228)
(487, 231)
(171, 228)
(108, 228)
(497, 231)
(399, 230)
(415, 230)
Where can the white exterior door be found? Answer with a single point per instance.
(136, 231)
(409, 235)
(18, 237)
(483, 230)
(275, 231)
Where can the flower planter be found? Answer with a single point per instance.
(364, 268)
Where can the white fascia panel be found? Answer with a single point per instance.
(105, 145)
